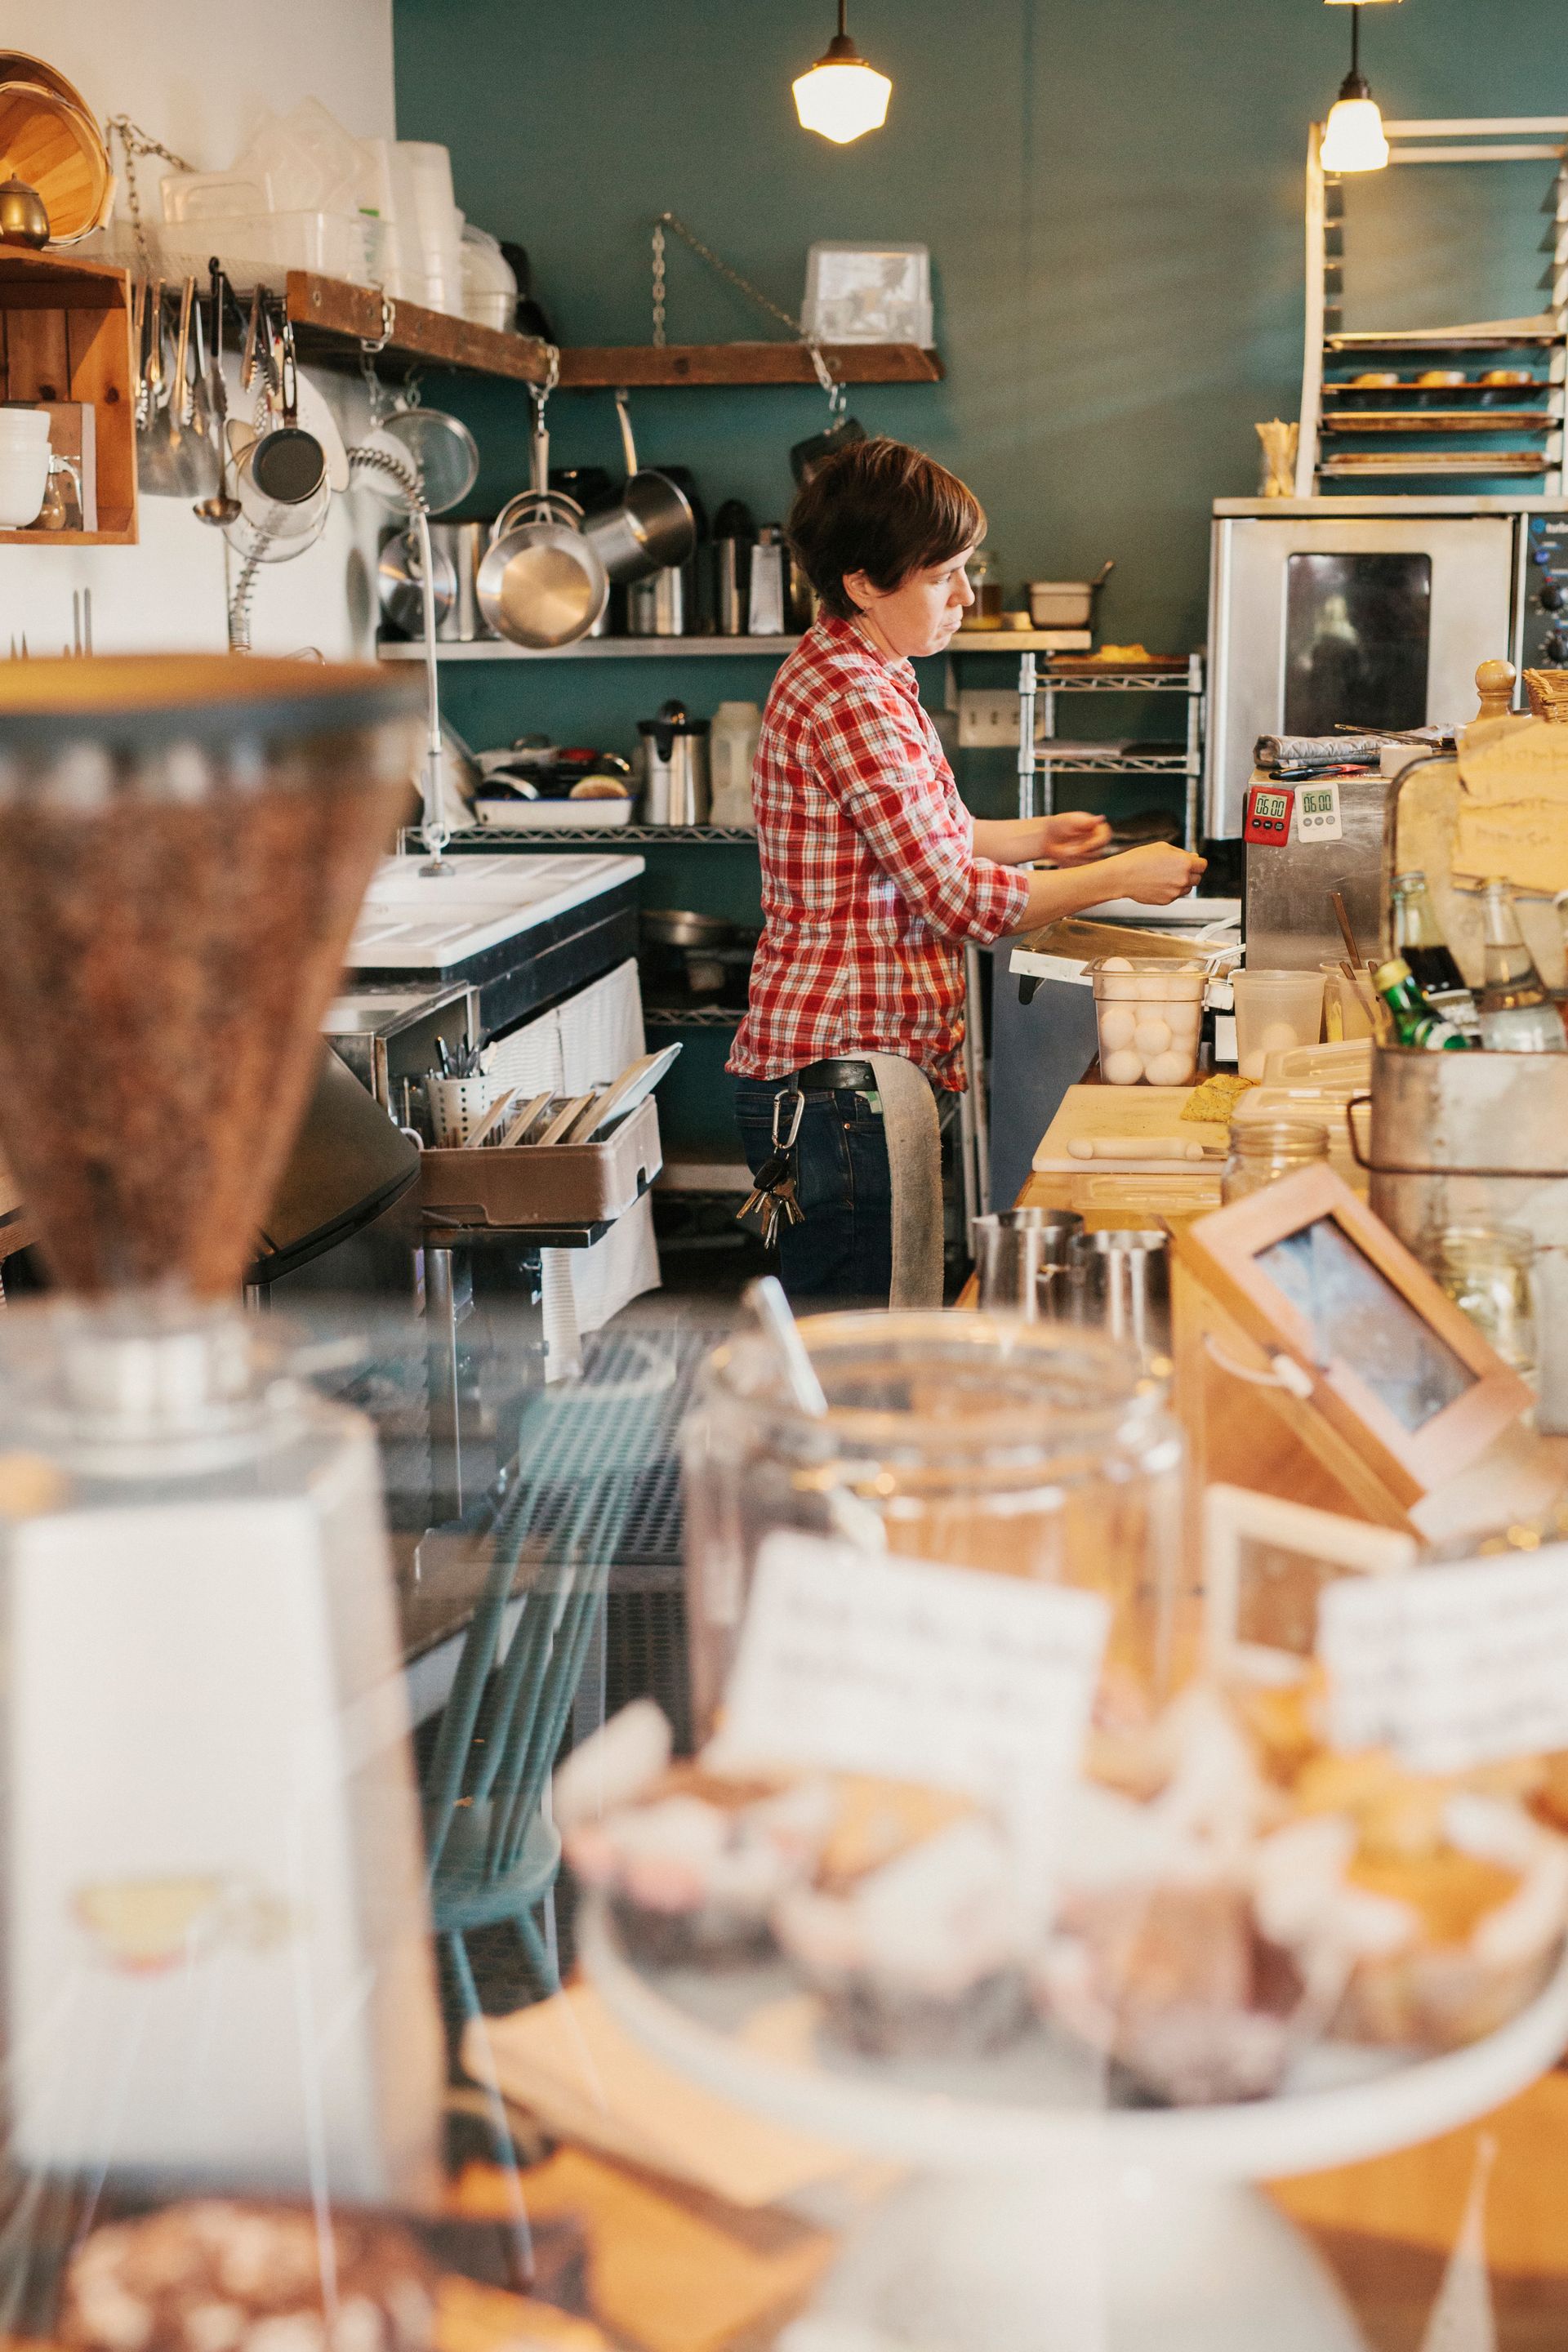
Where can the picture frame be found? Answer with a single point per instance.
(1236, 1518)
(1308, 1273)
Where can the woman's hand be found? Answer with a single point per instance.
(1155, 874)
(1068, 839)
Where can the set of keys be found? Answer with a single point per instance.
(772, 1198)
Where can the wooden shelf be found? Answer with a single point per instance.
(332, 319)
(65, 327)
(609, 366)
(489, 649)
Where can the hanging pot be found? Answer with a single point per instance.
(651, 527)
(400, 579)
(542, 583)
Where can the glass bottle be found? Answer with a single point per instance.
(1517, 1016)
(985, 579)
(1418, 938)
(1416, 1025)
(1485, 1270)
(1264, 1150)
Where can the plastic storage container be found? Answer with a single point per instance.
(1150, 1011)
(489, 282)
(732, 748)
(858, 293)
(1275, 1012)
(262, 248)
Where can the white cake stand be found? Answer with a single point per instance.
(1042, 2221)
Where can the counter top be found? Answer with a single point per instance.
(417, 922)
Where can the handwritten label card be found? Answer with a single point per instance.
(974, 1683)
(1450, 1667)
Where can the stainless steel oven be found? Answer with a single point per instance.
(1369, 612)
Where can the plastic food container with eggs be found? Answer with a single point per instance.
(1149, 1012)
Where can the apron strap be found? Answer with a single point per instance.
(914, 1163)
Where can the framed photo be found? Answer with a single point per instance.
(1265, 1562)
(1308, 1273)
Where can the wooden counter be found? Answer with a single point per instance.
(1386, 2228)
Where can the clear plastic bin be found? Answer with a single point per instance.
(264, 247)
(859, 293)
(1275, 1012)
(1150, 1009)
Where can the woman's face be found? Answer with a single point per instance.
(921, 615)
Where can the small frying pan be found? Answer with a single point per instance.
(541, 583)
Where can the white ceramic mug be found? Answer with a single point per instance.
(25, 468)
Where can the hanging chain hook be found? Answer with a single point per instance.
(836, 396)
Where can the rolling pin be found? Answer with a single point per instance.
(1133, 1147)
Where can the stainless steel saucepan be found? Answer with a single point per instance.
(651, 527)
(542, 583)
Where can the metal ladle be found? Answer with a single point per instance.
(222, 507)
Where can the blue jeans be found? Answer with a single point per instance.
(843, 1253)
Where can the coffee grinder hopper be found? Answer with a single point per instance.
(216, 1962)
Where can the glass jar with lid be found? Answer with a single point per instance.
(1264, 1150)
(973, 1441)
(1486, 1271)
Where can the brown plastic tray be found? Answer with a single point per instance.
(543, 1185)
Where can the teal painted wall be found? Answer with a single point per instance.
(1111, 192)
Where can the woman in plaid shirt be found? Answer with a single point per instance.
(875, 876)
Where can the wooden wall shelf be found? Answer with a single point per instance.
(332, 318)
(599, 368)
(67, 336)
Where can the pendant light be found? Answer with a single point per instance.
(842, 96)
(1353, 138)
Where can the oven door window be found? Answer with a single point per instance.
(1358, 632)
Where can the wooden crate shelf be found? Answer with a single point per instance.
(66, 328)
(332, 319)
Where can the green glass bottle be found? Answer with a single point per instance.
(1414, 1022)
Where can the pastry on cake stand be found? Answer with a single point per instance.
(1038, 2217)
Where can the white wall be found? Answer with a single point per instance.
(197, 74)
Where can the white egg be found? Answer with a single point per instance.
(1152, 989)
(1152, 1035)
(1279, 1037)
(1116, 963)
(1172, 1069)
(1116, 1028)
(1186, 1020)
(1124, 1069)
(1119, 988)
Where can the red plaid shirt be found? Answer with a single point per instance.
(870, 883)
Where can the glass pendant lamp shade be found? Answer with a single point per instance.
(842, 97)
(1353, 137)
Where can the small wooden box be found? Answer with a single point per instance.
(64, 327)
(543, 1185)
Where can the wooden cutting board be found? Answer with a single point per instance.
(1133, 1112)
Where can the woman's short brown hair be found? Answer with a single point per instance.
(883, 508)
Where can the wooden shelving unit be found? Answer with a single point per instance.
(331, 318)
(65, 327)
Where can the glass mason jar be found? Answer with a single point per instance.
(1485, 1270)
(1264, 1150)
(973, 1441)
